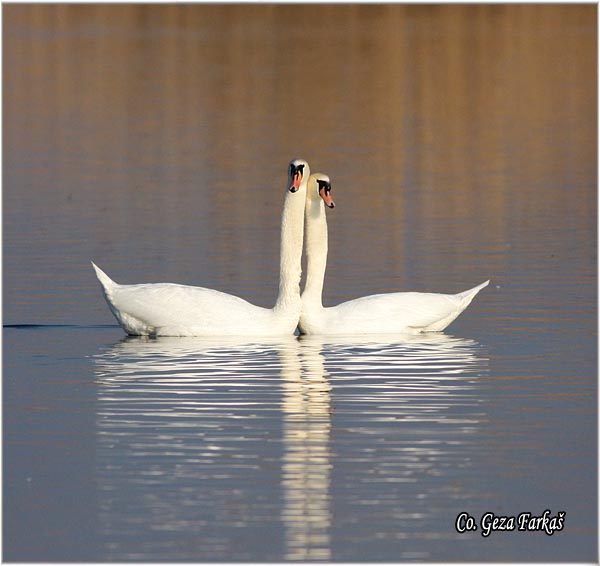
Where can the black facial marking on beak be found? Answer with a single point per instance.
(324, 186)
(296, 169)
(296, 174)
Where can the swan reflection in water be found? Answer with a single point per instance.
(306, 461)
(204, 443)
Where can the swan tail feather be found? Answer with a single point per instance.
(107, 283)
(464, 300)
(467, 296)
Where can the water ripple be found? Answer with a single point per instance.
(222, 438)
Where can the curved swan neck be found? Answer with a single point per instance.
(290, 261)
(316, 248)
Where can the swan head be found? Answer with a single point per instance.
(297, 170)
(320, 186)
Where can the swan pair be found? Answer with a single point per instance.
(168, 309)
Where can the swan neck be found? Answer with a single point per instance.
(290, 261)
(316, 252)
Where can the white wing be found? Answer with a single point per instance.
(398, 312)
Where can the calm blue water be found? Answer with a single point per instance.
(461, 143)
(189, 449)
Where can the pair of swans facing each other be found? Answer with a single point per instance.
(169, 309)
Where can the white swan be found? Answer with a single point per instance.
(168, 309)
(385, 313)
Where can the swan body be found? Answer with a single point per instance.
(408, 313)
(388, 313)
(169, 309)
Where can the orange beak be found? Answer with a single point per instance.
(326, 196)
(296, 180)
